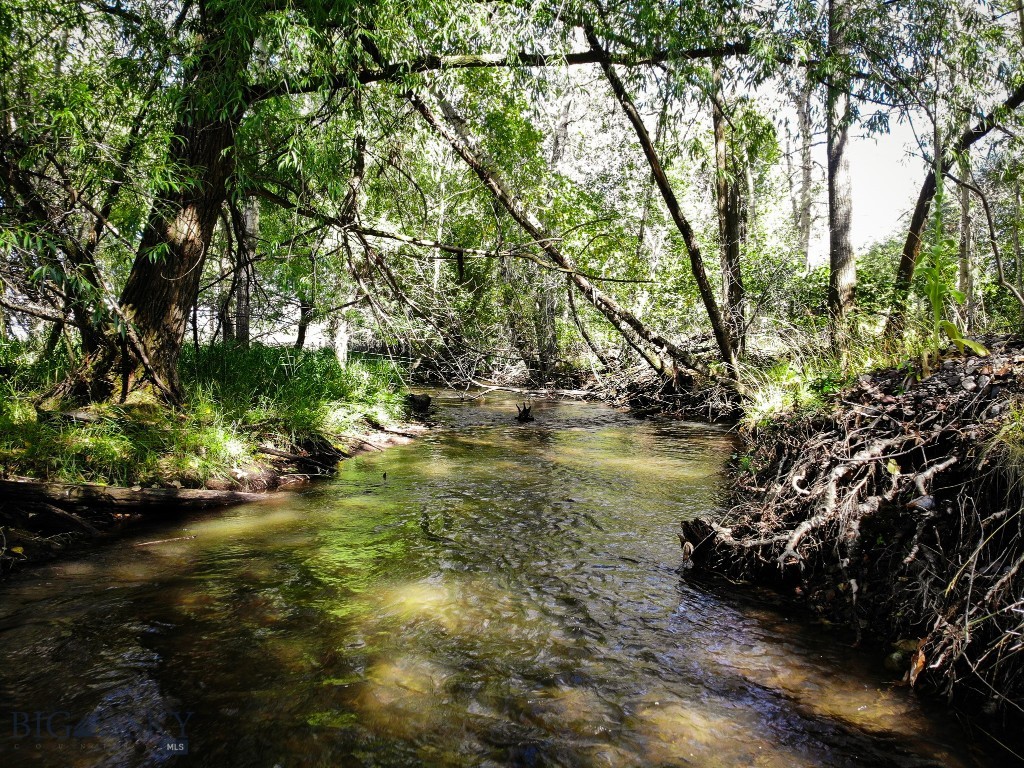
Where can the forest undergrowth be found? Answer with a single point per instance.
(240, 404)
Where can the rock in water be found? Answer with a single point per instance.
(418, 403)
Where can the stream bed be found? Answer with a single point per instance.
(492, 594)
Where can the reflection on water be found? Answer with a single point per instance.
(494, 594)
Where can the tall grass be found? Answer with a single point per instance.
(810, 374)
(236, 399)
(298, 393)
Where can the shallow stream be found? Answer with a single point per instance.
(493, 594)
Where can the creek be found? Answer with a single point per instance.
(492, 594)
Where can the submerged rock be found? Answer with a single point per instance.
(418, 403)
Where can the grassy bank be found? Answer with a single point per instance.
(239, 402)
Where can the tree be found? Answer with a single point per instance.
(726, 347)
(246, 223)
(729, 204)
(842, 282)
(802, 193)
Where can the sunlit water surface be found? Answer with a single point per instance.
(507, 595)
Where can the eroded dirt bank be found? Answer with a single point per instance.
(899, 514)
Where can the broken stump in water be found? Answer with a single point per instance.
(524, 414)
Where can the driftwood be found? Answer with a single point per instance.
(524, 414)
(296, 458)
(76, 498)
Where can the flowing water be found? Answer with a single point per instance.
(492, 594)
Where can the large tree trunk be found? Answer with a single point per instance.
(730, 227)
(164, 279)
(165, 276)
(842, 283)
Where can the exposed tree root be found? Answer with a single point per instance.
(681, 395)
(899, 514)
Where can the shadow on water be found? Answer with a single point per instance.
(493, 594)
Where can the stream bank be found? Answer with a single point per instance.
(43, 521)
(898, 514)
(255, 419)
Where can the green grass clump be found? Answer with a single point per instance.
(300, 394)
(809, 381)
(1005, 450)
(236, 399)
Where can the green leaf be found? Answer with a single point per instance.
(951, 330)
(975, 347)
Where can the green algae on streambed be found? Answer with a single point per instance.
(492, 594)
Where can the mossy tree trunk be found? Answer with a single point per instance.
(165, 276)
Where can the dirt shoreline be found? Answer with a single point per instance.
(41, 521)
(897, 515)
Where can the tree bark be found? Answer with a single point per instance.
(801, 195)
(842, 283)
(730, 213)
(338, 330)
(305, 318)
(246, 224)
(226, 321)
(165, 276)
(53, 339)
